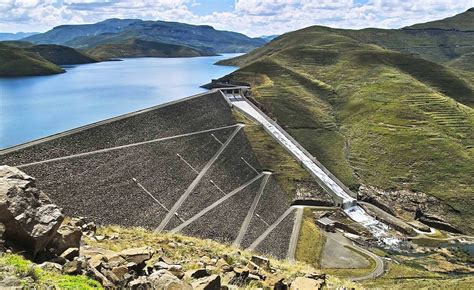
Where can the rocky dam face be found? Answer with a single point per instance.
(185, 166)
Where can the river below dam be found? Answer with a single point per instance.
(35, 107)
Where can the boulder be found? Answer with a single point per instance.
(223, 265)
(137, 255)
(197, 274)
(70, 254)
(67, 236)
(2, 242)
(165, 280)
(72, 267)
(58, 260)
(29, 217)
(261, 262)
(121, 272)
(303, 283)
(141, 283)
(51, 267)
(11, 282)
(176, 269)
(99, 276)
(212, 282)
(280, 285)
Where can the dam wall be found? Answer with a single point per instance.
(178, 159)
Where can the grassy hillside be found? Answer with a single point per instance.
(15, 61)
(370, 115)
(461, 22)
(61, 55)
(465, 62)
(142, 48)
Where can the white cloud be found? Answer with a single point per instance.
(253, 17)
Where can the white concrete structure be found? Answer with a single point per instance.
(340, 195)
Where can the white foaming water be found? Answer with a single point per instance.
(377, 228)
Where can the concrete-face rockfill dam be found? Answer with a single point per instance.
(185, 166)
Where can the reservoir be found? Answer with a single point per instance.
(35, 107)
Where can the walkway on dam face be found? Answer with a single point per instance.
(307, 162)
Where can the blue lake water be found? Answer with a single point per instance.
(35, 107)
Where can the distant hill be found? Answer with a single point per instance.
(143, 48)
(269, 38)
(460, 22)
(61, 55)
(16, 61)
(375, 111)
(15, 36)
(202, 38)
(21, 58)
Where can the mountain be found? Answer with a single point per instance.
(199, 37)
(269, 38)
(16, 61)
(15, 36)
(385, 120)
(460, 22)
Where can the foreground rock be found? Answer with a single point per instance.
(29, 218)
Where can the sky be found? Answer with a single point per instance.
(251, 17)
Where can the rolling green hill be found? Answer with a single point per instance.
(15, 61)
(61, 55)
(464, 62)
(462, 22)
(371, 115)
(142, 48)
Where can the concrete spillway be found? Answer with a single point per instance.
(348, 203)
(314, 169)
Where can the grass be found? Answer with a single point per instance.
(15, 61)
(370, 115)
(30, 276)
(310, 241)
(409, 277)
(141, 48)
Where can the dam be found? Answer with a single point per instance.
(184, 167)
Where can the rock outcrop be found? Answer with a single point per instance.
(29, 218)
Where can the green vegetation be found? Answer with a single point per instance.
(409, 277)
(462, 22)
(372, 116)
(22, 58)
(142, 48)
(61, 55)
(13, 265)
(310, 241)
(464, 62)
(15, 61)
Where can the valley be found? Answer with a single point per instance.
(319, 158)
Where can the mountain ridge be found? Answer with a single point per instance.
(201, 37)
